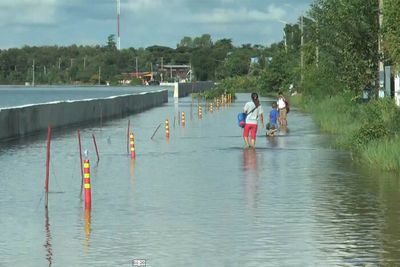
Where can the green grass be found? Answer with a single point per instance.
(369, 129)
(382, 154)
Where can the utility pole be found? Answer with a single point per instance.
(162, 68)
(316, 43)
(151, 70)
(284, 33)
(381, 74)
(33, 73)
(118, 24)
(99, 74)
(301, 48)
(137, 74)
(317, 49)
(59, 63)
(284, 36)
(84, 63)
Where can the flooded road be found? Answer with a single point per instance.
(198, 199)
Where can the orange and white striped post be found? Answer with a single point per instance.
(200, 112)
(166, 128)
(132, 144)
(86, 184)
(183, 119)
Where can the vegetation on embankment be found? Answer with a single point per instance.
(370, 129)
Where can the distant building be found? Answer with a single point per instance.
(145, 76)
(254, 60)
(177, 73)
(169, 72)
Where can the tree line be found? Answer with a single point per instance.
(97, 64)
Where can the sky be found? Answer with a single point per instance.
(144, 23)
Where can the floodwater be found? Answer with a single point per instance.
(11, 96)
(198, 199)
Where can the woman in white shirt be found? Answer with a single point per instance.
(254, 112)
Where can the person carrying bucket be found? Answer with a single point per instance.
(254, 112)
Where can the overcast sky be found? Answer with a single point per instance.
(144, 22)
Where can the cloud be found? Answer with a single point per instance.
(242, 15)
(144, 22)
(26, 12)
(22, 3)
(143, 5)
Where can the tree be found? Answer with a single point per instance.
(203, 64)
(238, 62)
(391, 30)
(347, 38)
(186, 42)
(203, 41)
(111, 44)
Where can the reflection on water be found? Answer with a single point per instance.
(47, 244)
(199, 199)
(251, 176)
(132, 173)
(87, 228)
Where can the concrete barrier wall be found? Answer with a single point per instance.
(185, 89)
(28, 119)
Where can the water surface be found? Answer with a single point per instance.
(198, 199)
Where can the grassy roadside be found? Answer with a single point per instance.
(370, 130)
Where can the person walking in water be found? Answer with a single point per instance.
(273, 120)
(254, 112)
(282, 110)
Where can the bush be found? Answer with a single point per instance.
(370, 132)
(239, 84)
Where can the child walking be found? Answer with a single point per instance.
(273, 120)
